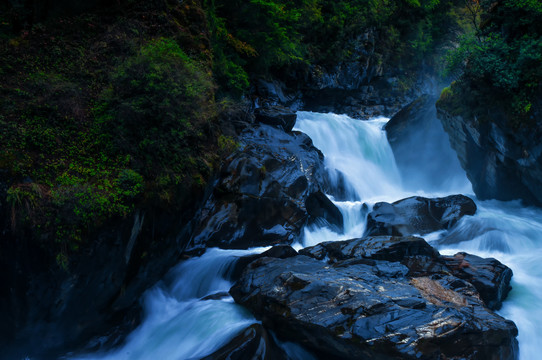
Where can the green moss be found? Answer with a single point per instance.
(97, 110)
(227, 145)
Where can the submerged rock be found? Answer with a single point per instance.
(418, 215)
(372, 300)
(266, 192)
(252, 343)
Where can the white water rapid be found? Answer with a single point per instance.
(179, 324)
(506, 231)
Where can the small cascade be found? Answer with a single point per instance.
(178, 324)
(358, 149)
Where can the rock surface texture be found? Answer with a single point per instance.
(277, 116)
(266, 192)
(501, 161)
(418, 215)
(380, 298)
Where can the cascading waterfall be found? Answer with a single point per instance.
(506, 231)
(179, 324)
(358, 149)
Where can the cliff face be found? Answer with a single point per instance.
(368, 82)
(502, 161)
(493, 111)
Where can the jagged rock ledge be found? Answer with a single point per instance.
(268, 190)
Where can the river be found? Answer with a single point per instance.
(181, 322)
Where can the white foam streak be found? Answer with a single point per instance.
(177, 324)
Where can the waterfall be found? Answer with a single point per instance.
(358, 149)
(506, 231)
(180, 324)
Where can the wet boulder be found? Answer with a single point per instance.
(389, 248)
(277, 116)
(382, 297)
(489, 276)
(319, 207)
(418, 215)
(373, 309)
(277, 251)
(267, 191)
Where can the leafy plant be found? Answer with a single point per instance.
(502, 57)
(156, 109)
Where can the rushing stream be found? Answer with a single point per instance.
(180, 323)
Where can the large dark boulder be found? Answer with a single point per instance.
(366, 307)
(503, 161)
(418, 215)
(276, 115)
(267, 192)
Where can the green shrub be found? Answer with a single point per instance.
(227, 145)
(158, 106)
(130, 183)
(501, 60)
(279, 37)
